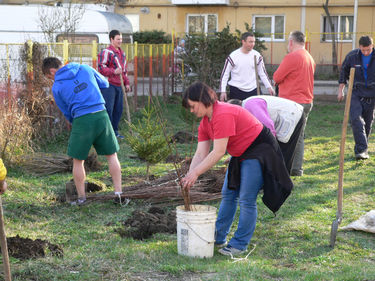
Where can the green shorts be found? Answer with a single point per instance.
(92, 129)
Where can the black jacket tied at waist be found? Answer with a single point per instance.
(277, 184)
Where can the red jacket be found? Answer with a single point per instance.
(109, 59)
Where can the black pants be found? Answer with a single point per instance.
(288, 149)
(235, 93)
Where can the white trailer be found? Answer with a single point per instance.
(20, 23)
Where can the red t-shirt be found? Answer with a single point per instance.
(233, 122)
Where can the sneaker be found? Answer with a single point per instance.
(361, 156)
(222, 245)
(121, 201)
(296, 173)
(79, 202)
(230, 251)
(121, 137)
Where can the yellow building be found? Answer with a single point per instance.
(274, 18)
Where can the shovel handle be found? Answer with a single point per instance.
(4, 246)
(256, 74)
(125, 98)
(342, 144)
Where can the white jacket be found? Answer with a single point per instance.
(284, 113)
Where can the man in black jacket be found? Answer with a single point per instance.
(363, 96)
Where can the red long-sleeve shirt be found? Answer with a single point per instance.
(109, 59)
(295, 77)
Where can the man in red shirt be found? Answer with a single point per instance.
(295, 77)
(112, 64)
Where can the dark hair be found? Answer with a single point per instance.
(113, 33)
(365, 41)
(298, 37)
(245, 35)
(235, 101)
(199, 91)
(50, 62)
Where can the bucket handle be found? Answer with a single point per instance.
(208, 242)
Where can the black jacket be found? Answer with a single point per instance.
(360, 87)
(277, 184)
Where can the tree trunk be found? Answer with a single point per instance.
(334, 52)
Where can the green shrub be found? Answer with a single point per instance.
(151, 37)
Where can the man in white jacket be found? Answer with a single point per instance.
(240, 66)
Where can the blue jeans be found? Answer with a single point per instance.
(361, 118)
(113, 97)
(246, 196)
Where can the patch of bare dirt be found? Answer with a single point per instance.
(25, 248)
(184, 137)
(142, 225)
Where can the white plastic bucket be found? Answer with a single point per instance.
(196, 231)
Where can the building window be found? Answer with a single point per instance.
(202, 23)
(272, 27)
(343, 28)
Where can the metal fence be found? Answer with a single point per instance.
(149, 66)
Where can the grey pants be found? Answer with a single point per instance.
(298, 157)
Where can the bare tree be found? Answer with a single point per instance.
(332, 26)
(60, 19)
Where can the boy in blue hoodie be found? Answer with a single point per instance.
(76, 91)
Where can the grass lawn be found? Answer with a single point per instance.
(291, 246)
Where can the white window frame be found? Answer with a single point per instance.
(272, 37)
(338, 28)
(205, 21)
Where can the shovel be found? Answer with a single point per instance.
(4, 246)
(337, 221)
(126, 99)
(256, 75)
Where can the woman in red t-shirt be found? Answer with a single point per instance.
(233, 129)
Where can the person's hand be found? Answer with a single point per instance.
(340, 95)
(189, 180)
(118, 71)
(223, 96)
(127, 88)
(271, 91)
(3, 186)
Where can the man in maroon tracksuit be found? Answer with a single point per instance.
(112, 64)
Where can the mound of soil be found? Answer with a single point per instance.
(25, 248)
(142, 225)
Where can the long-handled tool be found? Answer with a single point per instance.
(4, 246)
(337, 221)
(125, 98)
(256, 74)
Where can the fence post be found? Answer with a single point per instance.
(65, 51)
(135, 74)
(172, 63)
(163, 69)
(150, 69)
(8, 78)
(94, 54)
(29, 66)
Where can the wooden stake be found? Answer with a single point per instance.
(4, 246)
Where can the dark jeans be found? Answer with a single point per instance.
(288, 149)
(235, 93)
(361, 118)
(300, 147)
(113, 97)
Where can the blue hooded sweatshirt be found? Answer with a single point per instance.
(77, 90)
